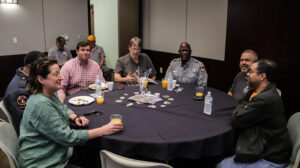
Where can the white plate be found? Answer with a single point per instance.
(81, 100)
(93, 86)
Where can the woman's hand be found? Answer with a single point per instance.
(112, 128)
(81, 121)
(109, 128)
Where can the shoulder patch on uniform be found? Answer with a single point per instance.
(21, 101)
(202, 68)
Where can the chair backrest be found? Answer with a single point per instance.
(4, 114)
(294, 132)
(111, 160)
(279, 91)
(9, 143)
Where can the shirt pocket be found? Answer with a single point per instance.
(193, 74)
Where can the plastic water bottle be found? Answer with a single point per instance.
(208, 103)
(170, 82)
(98, 85)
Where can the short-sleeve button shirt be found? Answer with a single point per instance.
(192, 72)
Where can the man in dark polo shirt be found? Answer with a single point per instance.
(240, 86)
(129, 63)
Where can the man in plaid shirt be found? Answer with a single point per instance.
(79, 72)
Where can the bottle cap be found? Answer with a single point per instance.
(209, 93)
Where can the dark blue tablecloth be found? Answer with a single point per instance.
(179, 130)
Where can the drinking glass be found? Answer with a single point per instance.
(116, 118)
(100, 98)
(164, 83)
(199, 91)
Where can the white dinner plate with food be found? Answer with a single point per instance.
(81, 100)
(93, 86)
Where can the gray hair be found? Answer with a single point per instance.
(135, 40)
(252, 52)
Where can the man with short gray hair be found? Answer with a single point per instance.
(240, 85)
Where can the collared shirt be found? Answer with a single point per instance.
(15, 97)
(60, 55)
(77, 75)
(126, 65)
(240, 86)
(192, 72)
(46, 138)
(97, 54)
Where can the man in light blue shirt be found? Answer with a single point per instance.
(187, 69)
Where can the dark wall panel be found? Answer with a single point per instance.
(272, 28)
(8, 67)
(128, 23)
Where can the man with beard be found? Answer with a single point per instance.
(187, 69)
(240, 87)
(59, 52)
(129, 63)
(259, 120)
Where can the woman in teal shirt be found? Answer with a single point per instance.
(46, 138)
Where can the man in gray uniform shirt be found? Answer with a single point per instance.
(129, 63)
(98, 55)
(59, 52)
(187, 69)
(240, 86)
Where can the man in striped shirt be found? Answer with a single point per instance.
(79, 72)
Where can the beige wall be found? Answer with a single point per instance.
(37, 23)
(202, 23)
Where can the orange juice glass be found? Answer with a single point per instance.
(199, 91)
(164, 83)
(116, 118)
(100, 100)
(198, 94)
(146, 84)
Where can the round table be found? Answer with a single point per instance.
(179, 130)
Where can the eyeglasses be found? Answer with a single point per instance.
(136, 49)
(184, 50)
(251, 71)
